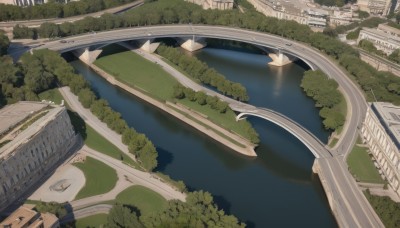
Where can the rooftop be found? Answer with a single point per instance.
(382, 34)
(35, 127)
(389, 115)
(11, 115)
(25, 216)
(387, 28)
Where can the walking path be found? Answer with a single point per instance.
(127, 176)
(93, 121)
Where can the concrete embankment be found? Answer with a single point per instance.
(194, 119)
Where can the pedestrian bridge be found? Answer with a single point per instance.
(306, 137)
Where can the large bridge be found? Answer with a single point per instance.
(347, 201)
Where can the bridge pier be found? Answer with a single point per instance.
(279, 59)
(86, 55)
(148, 45)
(192, 44)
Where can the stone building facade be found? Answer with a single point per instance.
(214, 4)
(377, 7)
(295, 11)
(385, 38)
(33, 153)
(381, 132)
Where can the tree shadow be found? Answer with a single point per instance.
(78, 123)
(164, 159)
(222, 203)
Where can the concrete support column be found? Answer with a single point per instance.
(87, 56)
(192, 44)
(279, 59)
(148, 45)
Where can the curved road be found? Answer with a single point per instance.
(348, 203)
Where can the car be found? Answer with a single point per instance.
(288, 44)
(63, 41)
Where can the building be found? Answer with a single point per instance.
(214, 4)
(293, 10)
(35, 138)
(385, 38)
(27, 2)
(377, 7)
(381, 132)
(25, 216)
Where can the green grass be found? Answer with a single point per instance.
(100, 178)
(51, 95)
(98, 220)
(97, 142)
(226, 120)
(144, 199)
(333, 142)
(362, 167)
(133, 70)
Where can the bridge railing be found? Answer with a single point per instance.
(295, 123)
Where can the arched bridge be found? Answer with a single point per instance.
(307, 138)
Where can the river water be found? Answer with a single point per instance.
(276, 189)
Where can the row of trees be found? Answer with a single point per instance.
(199, 210)
(387, 209)
(56, 9)
(200, 71)
(181, 92)
(326, 96)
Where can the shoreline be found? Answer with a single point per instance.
(183, 114)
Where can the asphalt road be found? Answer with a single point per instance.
(354, 210)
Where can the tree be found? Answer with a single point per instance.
(86, 97)
(148, 156)
(121, 216)
(138, 142)
(4, 43)
(201, 98)
(49, 30)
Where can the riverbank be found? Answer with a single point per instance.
(189, 117)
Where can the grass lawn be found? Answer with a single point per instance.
(333, 142)
(226, 120)
(97, 142)
(100, 178)
(144, 199)
(97, 221)
(362, 167)
(51, 95)
(133, 70)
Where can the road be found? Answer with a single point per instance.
(354, 206)
(37, 23)
(85, 212)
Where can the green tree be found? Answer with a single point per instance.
(121, 216)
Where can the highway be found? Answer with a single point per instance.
(37, 23)
(354, 209)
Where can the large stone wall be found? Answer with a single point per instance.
(34, 153)
(380, 65)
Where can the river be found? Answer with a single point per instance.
(276, 189)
